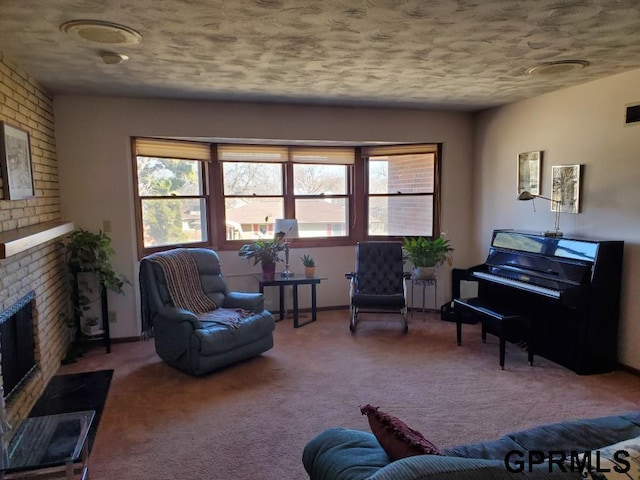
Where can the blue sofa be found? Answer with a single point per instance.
(345, 454)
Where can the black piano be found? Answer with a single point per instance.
(568, 287)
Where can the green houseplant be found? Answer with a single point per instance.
(427, 254)
(309, 265)
(88, 259)
(265, 252)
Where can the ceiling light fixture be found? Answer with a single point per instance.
(112, 58)
(560, 66)
(98, 31)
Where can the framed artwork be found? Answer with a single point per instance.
(565, 192)
(529, 167)
(15, 161)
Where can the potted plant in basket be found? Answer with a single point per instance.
(265, 252)
(309, 265)
(427, 254)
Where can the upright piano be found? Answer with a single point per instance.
(568, 287)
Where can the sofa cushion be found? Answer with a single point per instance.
(579, 435)
(396, 438)
(343, 454)
(620, 461)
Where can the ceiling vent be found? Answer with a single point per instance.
(104, 33)
(560, 66)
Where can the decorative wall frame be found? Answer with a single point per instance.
(15, 163)
(565, 193)
(529, 169)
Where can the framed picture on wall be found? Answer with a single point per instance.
(15, 161)
(529, 167)
(565, 193)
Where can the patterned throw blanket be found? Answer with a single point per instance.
(231, 317)
(183, 283)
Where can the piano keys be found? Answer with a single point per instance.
(569, 287)
(529, 287)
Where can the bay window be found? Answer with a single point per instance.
(223, 195)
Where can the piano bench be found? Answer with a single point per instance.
(495, 315)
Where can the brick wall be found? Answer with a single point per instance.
(25, 104)
(410, 174)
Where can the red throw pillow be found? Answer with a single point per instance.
(396, 437)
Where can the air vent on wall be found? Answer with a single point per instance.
(633, 114)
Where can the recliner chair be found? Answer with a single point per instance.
(200, 343)
(378, 284)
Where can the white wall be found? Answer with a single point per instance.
(579, 125)
(93, 139)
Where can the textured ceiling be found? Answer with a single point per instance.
(457, 54)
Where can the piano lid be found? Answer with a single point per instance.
(549, 246)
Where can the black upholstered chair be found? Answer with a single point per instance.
(378, 284)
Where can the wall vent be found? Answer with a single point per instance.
(633, 114)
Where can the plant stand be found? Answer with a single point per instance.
(103, 335)
(424, 283)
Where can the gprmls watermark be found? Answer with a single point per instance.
(517, 461)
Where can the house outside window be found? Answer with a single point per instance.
(262, 183)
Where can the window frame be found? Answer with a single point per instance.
(356, 197)
(427, 148)
(289, 199)
(138, 199)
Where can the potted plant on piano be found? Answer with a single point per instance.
(427, 254)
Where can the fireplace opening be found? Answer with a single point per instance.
(17, 344)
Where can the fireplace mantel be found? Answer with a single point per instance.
(15, 241)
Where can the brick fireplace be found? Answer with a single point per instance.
(37, 278)
(40, 267)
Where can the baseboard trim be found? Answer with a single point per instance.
(629, 369)
(126, 339)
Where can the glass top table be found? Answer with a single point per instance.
(50, 441)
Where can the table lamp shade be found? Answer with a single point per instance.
(288, 226)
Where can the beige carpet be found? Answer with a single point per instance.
(252, 421)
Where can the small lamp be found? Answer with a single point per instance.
(556, 229)
(287, 228)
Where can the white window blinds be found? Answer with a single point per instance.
(162, 148)
(281, 154)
